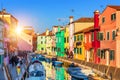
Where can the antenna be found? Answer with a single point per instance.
(1, 4)
(72, 11)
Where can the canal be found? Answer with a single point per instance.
(63, 72)
(56, 73)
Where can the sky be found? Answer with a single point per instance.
(43, 14)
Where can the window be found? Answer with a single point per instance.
(92, 36)
(75, 50)
(98, 36)
(101, 36)
(74, 38)
(113, 35)
(111, 54)
(41, 42)
(103, 54)
(113, 17)
(108, 36)
(41, 37)
(98, 52)
(67, 39)
(81, 37)
(80, 50)
(103, 19)
(42, 48)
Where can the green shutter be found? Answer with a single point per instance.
(113, 35)
(98, 52)
(80, 50)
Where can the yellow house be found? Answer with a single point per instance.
(79, 49)
(66, 38)
(79, 26)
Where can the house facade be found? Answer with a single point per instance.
(79, 26)
(66, 38)
(41, 43)
(60, 42)
(89, 54)
(110, 39)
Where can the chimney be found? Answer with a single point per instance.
(4, 10)
(71, 19)
(96, 19)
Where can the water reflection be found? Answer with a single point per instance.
(55, 73)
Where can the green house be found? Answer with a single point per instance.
(60, 42)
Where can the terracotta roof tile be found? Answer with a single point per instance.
(43, 34)
(115, 7)
(85, 19)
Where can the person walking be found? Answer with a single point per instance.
(18, 69)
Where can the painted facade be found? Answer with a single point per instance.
(110, 38)
(83, 23)
(89, 54)
(49, 42)
(25, 42)
(41, 43)
(71, 34)
(80, 25)
(79, 46)
(95, 39)
(54, 30)
(60, 43)
(66, 38)
(12, 23)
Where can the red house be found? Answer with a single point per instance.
(95, 40)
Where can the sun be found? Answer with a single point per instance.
(18, 30)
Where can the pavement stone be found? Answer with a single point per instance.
(2, 77)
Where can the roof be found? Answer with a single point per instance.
(55, 26)
(43, 34)
(3, 12)
(115, 7)
(85, 19)
(50, 33)
(85, 30)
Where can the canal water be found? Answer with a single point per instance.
(56, 73)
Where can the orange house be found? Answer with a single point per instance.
(109, 22)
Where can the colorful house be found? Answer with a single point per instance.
(25, 42)
(60, 42)
(71, 34)
(79, 45)
(79, 26)
(41, 43)
(109, 23)
(66, 38)
(89, 54)
(12, 23)
(95, 38)
(49, 42)
(54, 30)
